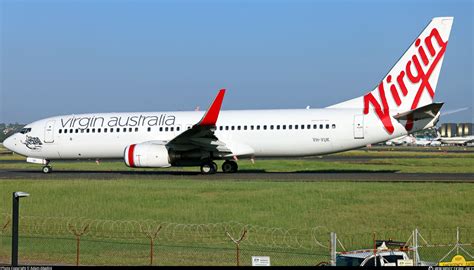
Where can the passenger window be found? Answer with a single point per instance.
(321, 126)
(290, 126)
(226, 127)
(87, 130)
(161, 129)
(130, 129)
(111, 130)
(327, 126)
(82, 130)
(251, 127)
(245, 127)
(124, 129)
(105, 130)
(333, 126)
(232, 127)
(98, 130)
(265, 127)
(302, 126)
(296, 126)
(315, 126)
(60, 131)
(284, 126)
(166, 128)
(65, 131)
(308, 126)
(271, 126)
(77, 130)
(118, 130)
(171, 128)
(238, 127)
(258, 127)
(221, 127)
(177, 128)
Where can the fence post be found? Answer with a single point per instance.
(237, 244)
(333, 248)
(416, 257)
(457, 240)
(78, 233)
(151, 234)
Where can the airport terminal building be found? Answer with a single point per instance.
(456, 129)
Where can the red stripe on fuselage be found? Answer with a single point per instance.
(131, 149)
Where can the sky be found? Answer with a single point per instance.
(70, 57)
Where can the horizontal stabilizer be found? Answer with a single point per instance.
(425, 112)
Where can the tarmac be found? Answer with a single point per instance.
(245, 175)
(250, 175)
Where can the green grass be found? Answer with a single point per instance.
(353, 210)
(348, 208)
(353, 207)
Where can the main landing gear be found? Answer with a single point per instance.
(209, 167)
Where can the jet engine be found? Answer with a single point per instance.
(147, 155)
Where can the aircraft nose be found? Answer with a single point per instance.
(9, 143)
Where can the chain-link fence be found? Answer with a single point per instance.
(79, 241)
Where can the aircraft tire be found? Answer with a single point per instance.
(235, 167)
(47, 169)
(227, 167)
(208, 168)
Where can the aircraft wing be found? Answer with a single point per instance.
(201, 135)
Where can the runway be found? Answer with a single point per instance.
(249, 175)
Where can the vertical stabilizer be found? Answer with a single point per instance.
(411, 83)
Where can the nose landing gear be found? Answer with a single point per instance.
(47, 169)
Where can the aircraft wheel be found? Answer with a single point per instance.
(208, 168)
(47, 169)
(227, 167)
(230, 166)
(215, 167)
(235, 167)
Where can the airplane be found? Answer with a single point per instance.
(400, 104)
(457, 140)
(402, 140)
(427, 142)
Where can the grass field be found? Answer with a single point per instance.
(349, 208)
(354, 207)
(338, 206)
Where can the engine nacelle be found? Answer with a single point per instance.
(147, 155)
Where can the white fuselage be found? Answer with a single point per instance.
(256, 133)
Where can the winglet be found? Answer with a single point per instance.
(210, 118)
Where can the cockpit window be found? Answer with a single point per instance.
(25, 130)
